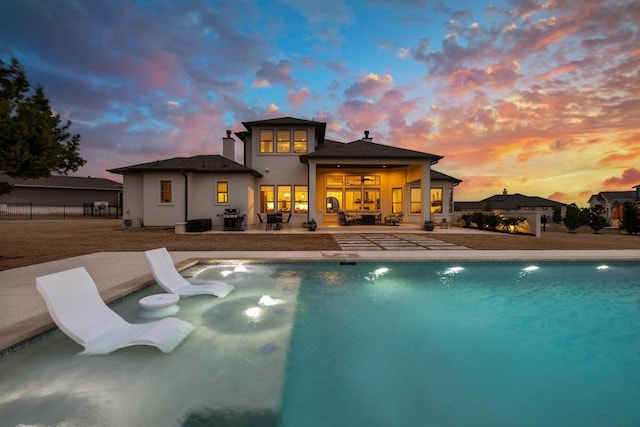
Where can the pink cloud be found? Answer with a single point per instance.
(499, 76)
(369, 86)
(296, 98)
(360, 116)
(630, 177)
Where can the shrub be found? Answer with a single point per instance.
(492, 221)
(478, 219)
(466, 218)
(596, 219)
(572, 219)
(630, 218)
(512, 223)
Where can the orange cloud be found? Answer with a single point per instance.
(558, 196)
(557, 71)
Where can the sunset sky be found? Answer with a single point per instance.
(538, 97)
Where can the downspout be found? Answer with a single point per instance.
(186, 197)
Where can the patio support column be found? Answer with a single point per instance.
(313, 196)
(426, 192)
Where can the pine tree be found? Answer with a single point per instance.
(33, 141)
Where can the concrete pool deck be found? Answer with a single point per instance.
(23, 313)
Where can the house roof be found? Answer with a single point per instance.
(285, 121)
(364, 150)
(200, 163)
(435, 175)
(509, 202)
(616, 196)
(63, 181)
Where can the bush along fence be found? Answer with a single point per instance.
(526, 223)
(10, 211)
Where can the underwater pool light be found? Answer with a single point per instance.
(453, 270)
(253, 313)
(530, 268)
(268, 301)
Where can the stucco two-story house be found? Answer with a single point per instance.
(613, 201)
(290, 167)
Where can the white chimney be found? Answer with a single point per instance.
(229, 147)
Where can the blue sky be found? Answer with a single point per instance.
(539, 97)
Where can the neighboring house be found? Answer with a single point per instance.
(513, 203)
(62, 190)
(612, 201)
(289, 167)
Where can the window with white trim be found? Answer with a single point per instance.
(266, 141)
(222, 192)
(166, 195)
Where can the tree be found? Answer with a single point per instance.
(573, 218)
(33, 141)
(630, 218)
(596, 219)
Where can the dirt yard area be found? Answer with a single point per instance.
(29, 242)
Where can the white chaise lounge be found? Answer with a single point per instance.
(165, 273)
(77, 308)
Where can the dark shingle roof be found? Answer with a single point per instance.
(202, 163)
(362, 150)
(79, 182)
(509, 202)
(435, 175)
(618, 196)
(285, 121)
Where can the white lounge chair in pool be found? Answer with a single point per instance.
(77, 308)
(165, 273)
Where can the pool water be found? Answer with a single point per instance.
(550, 344)
(228, 372)
(366, 344)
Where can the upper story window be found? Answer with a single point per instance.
(165, 191)
(300, 141)
(284, 141)
(266, 141)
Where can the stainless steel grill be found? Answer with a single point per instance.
(233, 220)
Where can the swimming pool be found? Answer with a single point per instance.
(376, 344)
(476, 344)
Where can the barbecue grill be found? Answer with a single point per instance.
(233, 220)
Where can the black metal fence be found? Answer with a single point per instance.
(37, 211)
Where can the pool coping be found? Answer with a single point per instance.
(117, 274)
